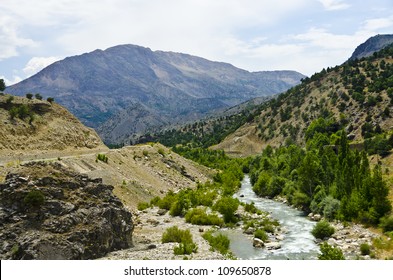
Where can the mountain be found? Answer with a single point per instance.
(128, 89)
(33, 127)
(356, 96)
(372, 45)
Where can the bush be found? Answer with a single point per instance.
(227, 206)
(34, 198)
(386, 224)
(167, 201)
(174, 234)
(50, 99)
(365, 249)
(29, 95)
(102, 158)
(330, 253)
(185, 249)
(184, 237)
(143, 205)
(261, 234)
(198, 216)
(322, 230)
(218, 243)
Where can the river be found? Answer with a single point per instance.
(298, 242)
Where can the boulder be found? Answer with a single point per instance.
(63, 215)
(273, 245)
(258, 243)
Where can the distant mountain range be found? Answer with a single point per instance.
(127, 90)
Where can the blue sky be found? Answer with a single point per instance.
(256, 35)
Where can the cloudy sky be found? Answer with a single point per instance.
(302, 35)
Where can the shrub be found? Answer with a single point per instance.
(218, 243)
(50, 99)
(167, 201)
(198, 216)
(184, 237)
(143, 205)
(365, 249)
(227, 206)
(386, 224)
(29, 96)
(185, 249)
(102, 157)
(180, 205)
(261, 234)
(145, 153)
(161, 152)
(38, 96)
(322, 230)
(330, 253)
(174, 234)
(34, 198)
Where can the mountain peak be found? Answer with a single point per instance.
(372, 45)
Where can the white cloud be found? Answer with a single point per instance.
(8, 82)
(334, 5)
(36, 64)
(10, 39)
(377, 24)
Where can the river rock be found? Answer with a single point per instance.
(161, 212)
(273, 245)
(249, 231)
(280, 237)
(258, 243)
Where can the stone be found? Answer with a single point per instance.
(80, 218)
(258, 243)
(151, 246)
(280, 237)
(317, 217)
(249, 231)
(273, 245)
(161, 212)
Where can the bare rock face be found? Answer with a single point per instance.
(49, 212)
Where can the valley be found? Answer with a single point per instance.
(320, 150)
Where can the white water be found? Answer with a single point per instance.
(298, 241)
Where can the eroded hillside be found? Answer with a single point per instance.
(33, 128)
(356, 96)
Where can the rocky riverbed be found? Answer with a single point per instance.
(150, 224)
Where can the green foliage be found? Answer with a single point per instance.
(143, 206)
(38, 96)
(50, 99)
(261, 234)
(185, 249)
(387, 224)
(330, 253)
(322, 230)
(365, 249)
(145, 153)
(198, 216)
(102, 157)
(29, 95)
(227, 206)
(250, 208)
(218, 242)
(34, 199)
(2, 85)
(174, 234)
(184, 237)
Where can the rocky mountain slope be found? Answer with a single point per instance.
(356, 96)
(38, 127)
(372, 45)
(49, 212)
(128, 89)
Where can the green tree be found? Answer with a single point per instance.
(29, 95)
(38, 96)
(2, 85)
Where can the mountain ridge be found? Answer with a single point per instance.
(172, 87)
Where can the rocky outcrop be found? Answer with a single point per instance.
(49, 212)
